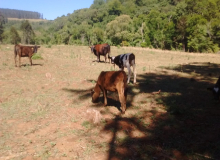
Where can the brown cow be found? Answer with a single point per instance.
(101, 49)
(24, 51)
(111, 81)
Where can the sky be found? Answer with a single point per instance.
(51, 9)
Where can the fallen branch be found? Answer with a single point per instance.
(158, 92)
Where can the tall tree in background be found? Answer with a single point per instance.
(2, 21)
(28, 33)
(15, 38)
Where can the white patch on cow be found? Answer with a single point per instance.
(216, 89)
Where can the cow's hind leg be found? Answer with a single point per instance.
(30, 60)
(19, 61)
(15, 60)
(129, 73)
(134, 72)
(122, 96)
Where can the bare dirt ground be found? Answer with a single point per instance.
(46, 110)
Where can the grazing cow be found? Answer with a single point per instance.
(216, 89)
(24, 51)
(125, 61)
(111, 81)
(101, 49)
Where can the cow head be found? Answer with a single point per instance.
(92, 48)
(112, 59)
(34, 48)
(94, 95)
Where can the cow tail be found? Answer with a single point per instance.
(109, 52)
(15, 52)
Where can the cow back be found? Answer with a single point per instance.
(110, 79)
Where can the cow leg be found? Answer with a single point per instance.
(134, 72)
(19, 61)
(105, 58)
(98, 58)
(129, 73)
(15, 60)
(105, 96)
(122, 97)
(30, 60)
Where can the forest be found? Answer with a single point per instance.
(186, 25)
(14, 13)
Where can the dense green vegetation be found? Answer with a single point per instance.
(188, 25)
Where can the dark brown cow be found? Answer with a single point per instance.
(24, 51)
(101, 49)
(111, 81)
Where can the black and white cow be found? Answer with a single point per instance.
(216, 89)
(125, 61)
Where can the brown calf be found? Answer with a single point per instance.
(24, 51)
(101, 49)
(111, 81)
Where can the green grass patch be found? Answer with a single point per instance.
(37, 56)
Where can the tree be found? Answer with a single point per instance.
(28, 33)
(114, 7)
(97, 4)
(14, 36)
(2, 22)
(119, 29)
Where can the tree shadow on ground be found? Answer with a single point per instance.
(189, 129)
(205, 69)
(112, 97)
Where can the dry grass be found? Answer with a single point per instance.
(44, 107)
(30, 20)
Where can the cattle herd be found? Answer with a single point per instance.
(115, 81)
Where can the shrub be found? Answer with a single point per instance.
(36, 56)
(143, 44)
(124, 43)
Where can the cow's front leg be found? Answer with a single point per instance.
(30, 60)
(98, 58)
(105, 96)
(122, 92)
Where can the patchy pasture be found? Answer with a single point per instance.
(46, 110)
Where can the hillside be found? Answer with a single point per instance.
(186, 25)
(31, 20)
